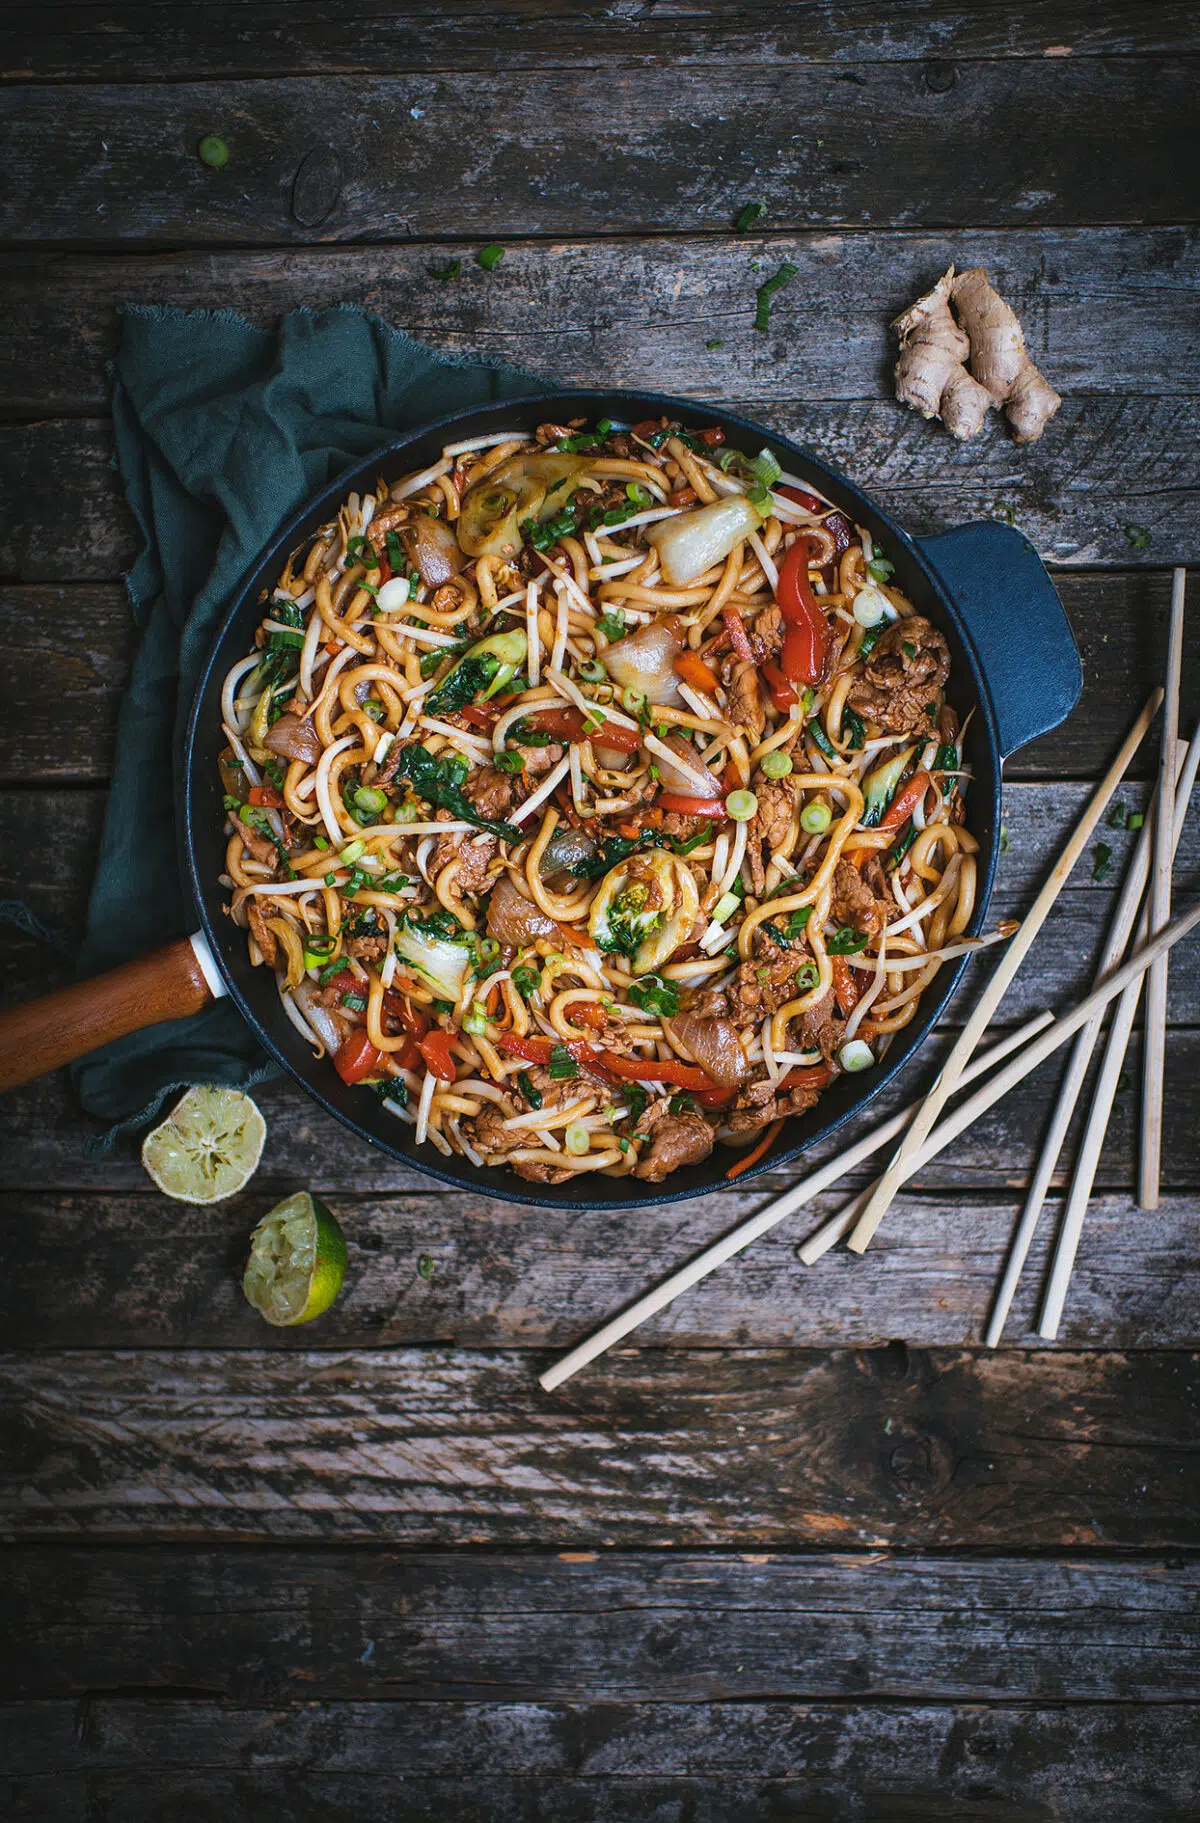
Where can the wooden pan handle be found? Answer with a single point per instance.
(43, 1034)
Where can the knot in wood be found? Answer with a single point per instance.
(316, 187)
(939, 76)
(918, 1465)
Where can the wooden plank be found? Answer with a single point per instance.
(141, 1760)
(1106, 464)
(133, 42)
(642, 313)
(756, 1449)
(713, 1763)
(275, 1626)
(82, 634)
(334, 158)
(67, 654)
(136, 1270)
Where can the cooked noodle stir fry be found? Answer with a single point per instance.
(594, 798)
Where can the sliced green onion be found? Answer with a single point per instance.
(592, 671)
(725, 907)
(856, 1056)
(351, 853)
(815, 818)
(370, 798)
(509, 761)
(821, 740)
(577, 1139)
(475, 1019)
(766, 292)
(777, 765)
(741, 805)
(871, 608)
(213, 152)
(633, 700)
(764, 468)
(489, 257)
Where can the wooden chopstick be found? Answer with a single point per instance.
(1155, 1043)
(922, 1124)
(651, 1302)
(1124, 920)
(1045, 1033)
(1020, 1066)
(1084, 1176)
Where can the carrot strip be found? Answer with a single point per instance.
(756, 1152)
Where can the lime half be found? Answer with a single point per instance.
(208, 1147)
(297, 1261)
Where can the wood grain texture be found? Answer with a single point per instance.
(756, 1449)
(132, 42)
(139, 1760)
(1104, 465)
(81, 635)
(136, 1270)
(642, 313)
(287, 1625)
(618, 149)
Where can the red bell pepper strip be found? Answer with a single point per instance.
(811, 1076)
(714, 1098)
(357, 1057)
(806, 642)
(692, 807)
(735, 627)
(435, 1049)
(567, 725)
(655, 1069)
(529, 1050)
(266, 795)
(845, 984)
(905, 801)
(478, 717)
(783, 694)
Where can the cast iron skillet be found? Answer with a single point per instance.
(1012, 654)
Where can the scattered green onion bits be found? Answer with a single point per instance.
(213, 152)
(815, 818)
(777, 765)
(489, 257)
(767, 291)
(741, 805)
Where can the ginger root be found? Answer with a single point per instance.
(956, 363)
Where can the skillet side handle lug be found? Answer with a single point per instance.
(42, 1035)
(1026, 648)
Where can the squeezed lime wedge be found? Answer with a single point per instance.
(297, 1261)
(208, 1147)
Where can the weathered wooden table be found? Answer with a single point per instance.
(807, 1551)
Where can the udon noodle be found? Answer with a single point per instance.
(594, 798)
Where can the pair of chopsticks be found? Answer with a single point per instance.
(1045, 1034)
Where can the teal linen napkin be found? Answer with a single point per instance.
(222, 431)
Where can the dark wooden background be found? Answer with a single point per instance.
(807, 1551)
